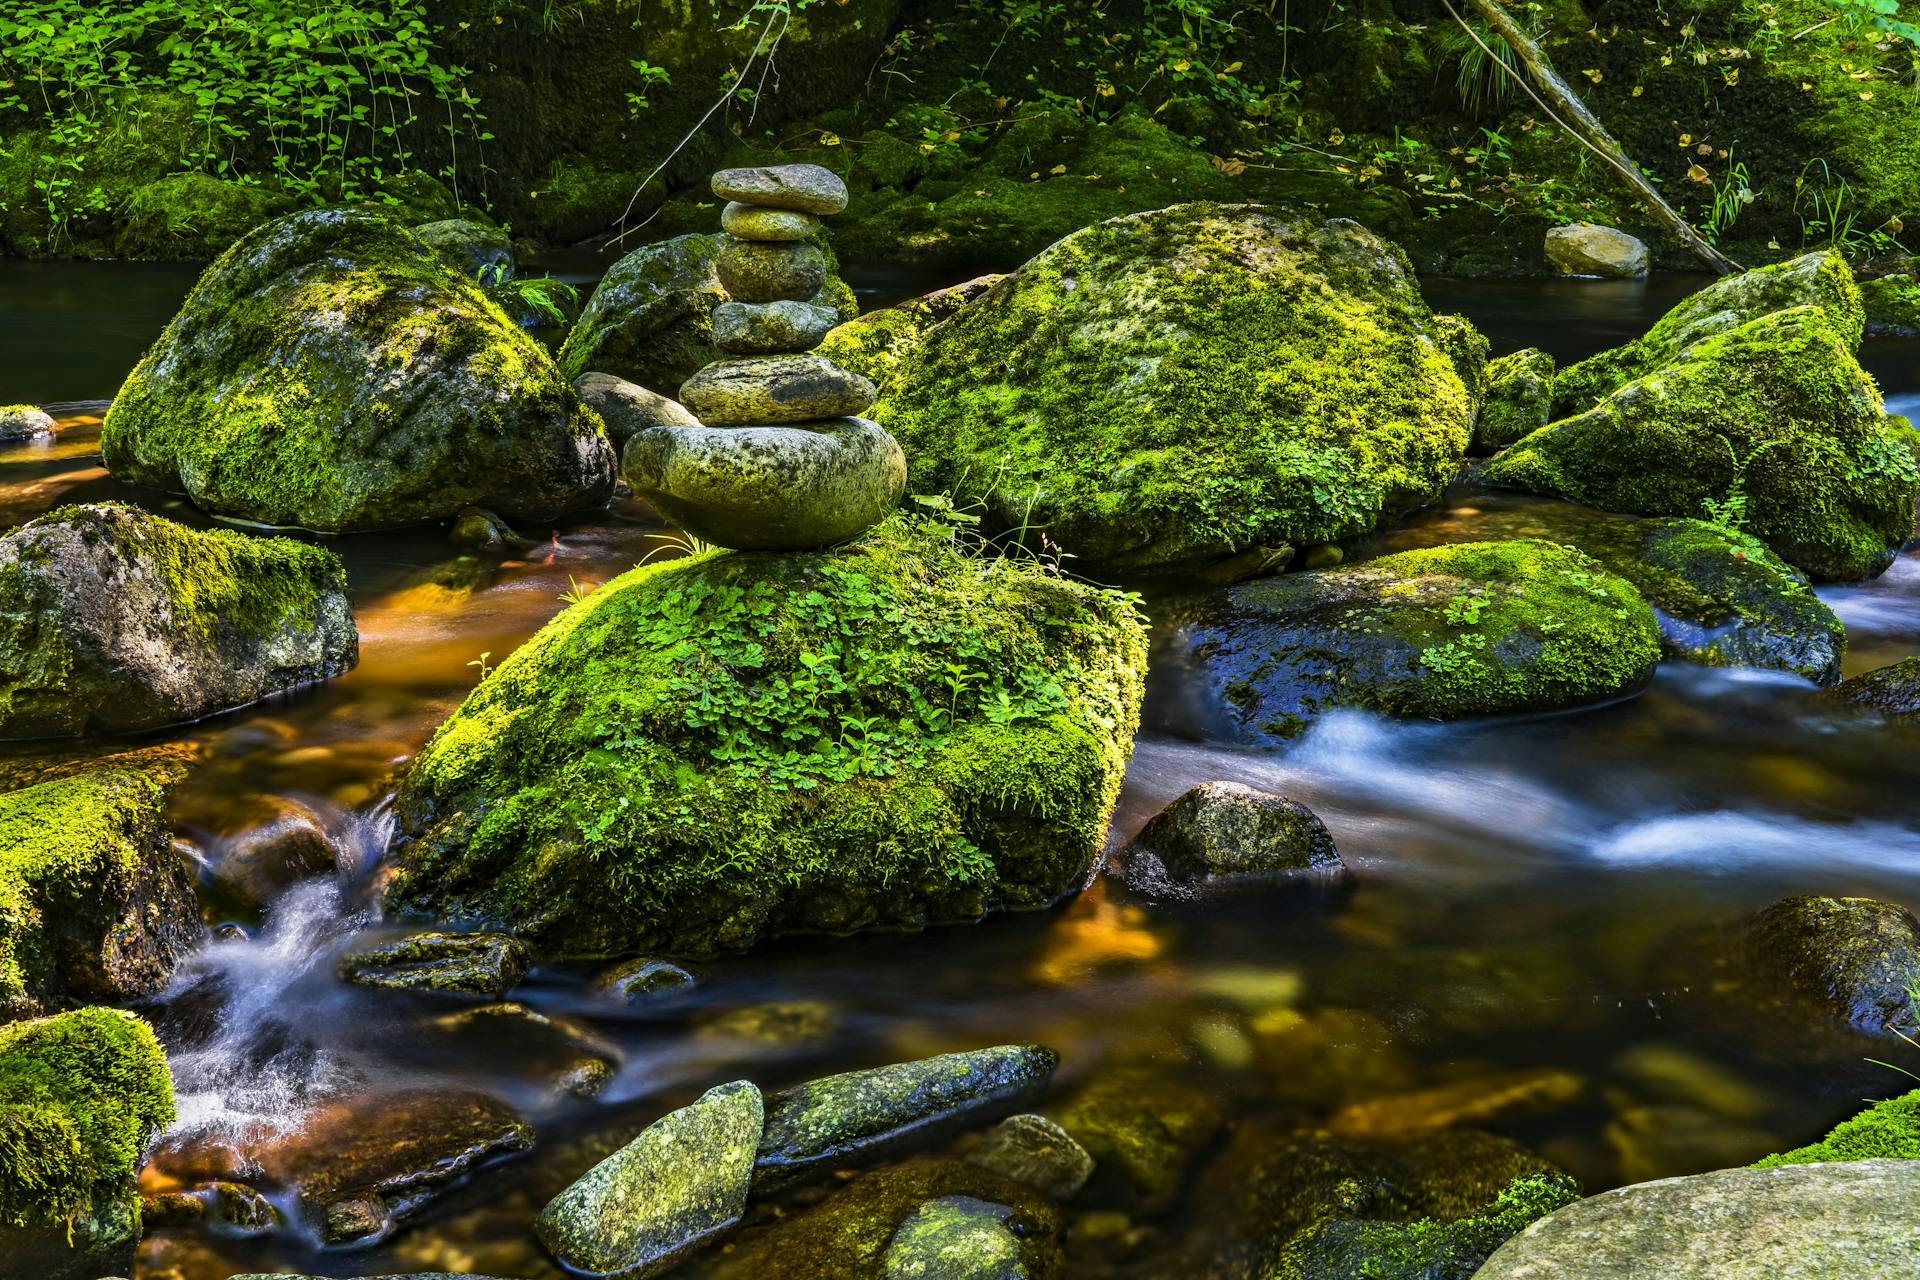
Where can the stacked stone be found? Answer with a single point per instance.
(782, 461)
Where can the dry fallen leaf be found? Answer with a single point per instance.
(1696, 174)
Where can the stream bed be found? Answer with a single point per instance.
(1516, 894)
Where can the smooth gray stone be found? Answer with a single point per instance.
(760, 390)
(625, 407)
(1228, 829)
(809, 188)
(757, 271)
(25, 422)
(756, 222)
(1034, 1150)
(671, 1191)
(1858, 1220)
(772, 488)
(1589, 249)
(768, 328)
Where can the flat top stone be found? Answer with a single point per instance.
(1854, 1221)
(810, 188)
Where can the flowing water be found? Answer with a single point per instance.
(1521, 895)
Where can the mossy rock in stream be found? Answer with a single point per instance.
(116, 620)
(1892, 304)
(331, 372)
(81, 1095)
(1519, 399)
(1470, 629)
(1770, 421)
(715, 749)
(94, 903)
(1168, 387)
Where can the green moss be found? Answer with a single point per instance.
(1775, 412)
(1425, 1249)
(1892, 303)
(1300, 397)
(67, 848)
(1519, 399)
(192, 215)
(710, 749)
(879, 345)
(81, 1095)
(1889, 1129)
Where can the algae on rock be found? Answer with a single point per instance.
(713, 749)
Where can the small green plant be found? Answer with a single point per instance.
(481, 662)
(552, 301)
(1881, 15)
(576, 592)
(686, 544)
(649, 75)
(1729, 512)
(1484, 80)
(1729, 199)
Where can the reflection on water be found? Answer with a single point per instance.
(1516, 891)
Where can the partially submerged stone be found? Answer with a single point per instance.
(81, 1096)
(1143, 1127)
(809, 188)
(754, 222)
(772, 488)
(25, 422)
(1230, 829)
(627, 408)
(646, 979)
(1855, 959)
(94, 903)
(744, 328)
(1589, 249)
(672, 1191)
(860, 1115)
(1519, 400)
(1479, 628)
(622, 782)
(1892, 690)
(955, 1238)
(754, 390)
(473, 964)
(1034, 1150)
(1854, 1220)
(330, 372)
(115, 620)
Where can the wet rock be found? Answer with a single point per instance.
(860, 1115)
(1245, 566)
(238, 1209)
(1330, 1056)
(851, 1234)
(94, 903)
(82, 1093)
(1479, 628)
(473, 964)
(561, 1048)
(118, 621)
(25, 422)
(1892, 690)
(283, 842)
(1143, 1127)
(172, 1209)
(1464, 1103)
(963, 817)
(774, 488)
(756, 271)
(1519, 399)
(955, 1238)
(673, 1190)
(468, 246)
(1588, 249)
(362, 1167)
(586, 1078)
(1034, 1150)
(769, 390)
(1854, 1219)
(1229, 829)
(1855, 959)
(396, 391)
(1650, 1140)
(644, 980)
(743, 328)
(481, 530)
(627, 407)
(1184, 315)
(778, 1022)
(753, 222)
(808, 188)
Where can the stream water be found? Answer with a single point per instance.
(1517, 887)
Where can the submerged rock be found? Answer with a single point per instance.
(1853, 1219)
(627, 408)
(673, 1190)
(640, 981)
(330, 372)
(774, 488)
(1857, 959)
(1768, 418)
(1143, 1127)
(1478, 628)
(115, 620)
(955, 1238)
(1892, 690)
(1034, 1150)
(859, 1115)
(1229, 829)
(1519, 400)
(81, 1096)
(1168, 387)
(25, 422)
(94, 903)
(474, 964)
(1475, 1101)
(1589, 249)
(678, 761)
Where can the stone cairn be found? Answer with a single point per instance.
(782, 461)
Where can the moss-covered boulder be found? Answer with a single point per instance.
(94, 904)
(706, 751)
(1854, 961)
(1887, 1130)
(81, 1095)
(1519, 399)
(1169, 387)
(331, 372)
(1478, 628)
(116, 620)
(1892, 304)
(1891, 690)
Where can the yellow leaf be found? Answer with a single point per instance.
(1230, 68)
(829, 139)
(1182, 65)
(1704, 149)
(1335, 138)
(1686, 139)
(1639, 89)
(1593, 74)
(1696, 174)
(1057, 169)
(1866, 95)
